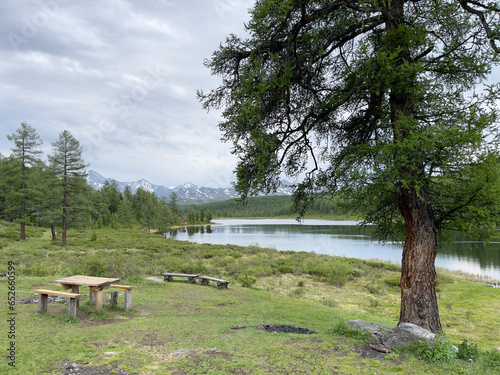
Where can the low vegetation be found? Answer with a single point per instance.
(182, 328)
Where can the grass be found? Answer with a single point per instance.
(280, 287)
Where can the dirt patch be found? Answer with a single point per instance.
(150, 339)
(275, 328)
(83, 368)
(365, 351)
(286, 329)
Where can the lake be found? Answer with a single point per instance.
(340, 238)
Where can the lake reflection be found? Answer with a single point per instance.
(340, 238)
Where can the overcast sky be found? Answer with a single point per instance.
(121, 76)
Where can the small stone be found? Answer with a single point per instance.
(155, 279)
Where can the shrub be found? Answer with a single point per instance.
(393, 281)
(247, 280)
(297, 292)
(329, 302)
(335, 271)
(374, 288)
(441, 350)
(468, 351)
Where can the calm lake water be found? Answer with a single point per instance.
(341, 238)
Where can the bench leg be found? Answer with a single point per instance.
(204, 281)
(191, 280)
(113, 299)
(76, 289)
(168, 278)
(91, 297)
(42, 303)
(72, 302)
(128, 300)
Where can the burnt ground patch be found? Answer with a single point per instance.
(285, 329)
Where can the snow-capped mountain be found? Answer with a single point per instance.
(186, 193)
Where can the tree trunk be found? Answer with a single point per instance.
(418, 273)
(64, 225)
(23, 228)
(53, 231)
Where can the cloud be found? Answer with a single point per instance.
(121, 76)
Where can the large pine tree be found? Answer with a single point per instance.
(379, 101)
(25, 154)
(66, 162)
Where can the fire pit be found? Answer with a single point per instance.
(286, 329)
(274, 328)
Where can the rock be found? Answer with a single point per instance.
(402, 335)
(376, 330)
(155, 279)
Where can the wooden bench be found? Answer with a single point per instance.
(170, 276)
(204, 280)
(44, 299)
(114, 296)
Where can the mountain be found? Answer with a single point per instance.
(186, 193)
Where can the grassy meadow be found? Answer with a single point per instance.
(180, 328)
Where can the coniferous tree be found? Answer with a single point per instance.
(376, 101)
(148, 211)
(66, 161)
(26, 152)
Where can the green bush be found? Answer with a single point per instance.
(297, 292)
(393, 281)
(335, 271)
(247, 280)
(468, 351)
(285, 268)
(441, 350)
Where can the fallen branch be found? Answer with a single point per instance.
(378, 348)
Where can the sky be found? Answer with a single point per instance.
(121, 76)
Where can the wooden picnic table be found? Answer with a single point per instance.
(95, 284)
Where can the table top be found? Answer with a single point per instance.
(87, 280)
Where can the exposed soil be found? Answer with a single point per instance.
(285, 329)
(82, 368)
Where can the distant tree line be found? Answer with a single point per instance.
(274, 206)
(55, 194)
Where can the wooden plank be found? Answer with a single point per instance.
(213, 279)
(86, 280)
(57, 293)
(179, 274)
(121, 286)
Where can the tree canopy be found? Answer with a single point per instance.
(384, 102)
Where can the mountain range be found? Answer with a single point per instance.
(186, 193)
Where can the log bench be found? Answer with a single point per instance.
(204, 280)
(44, 299)
(170, 276)
(114, 296)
